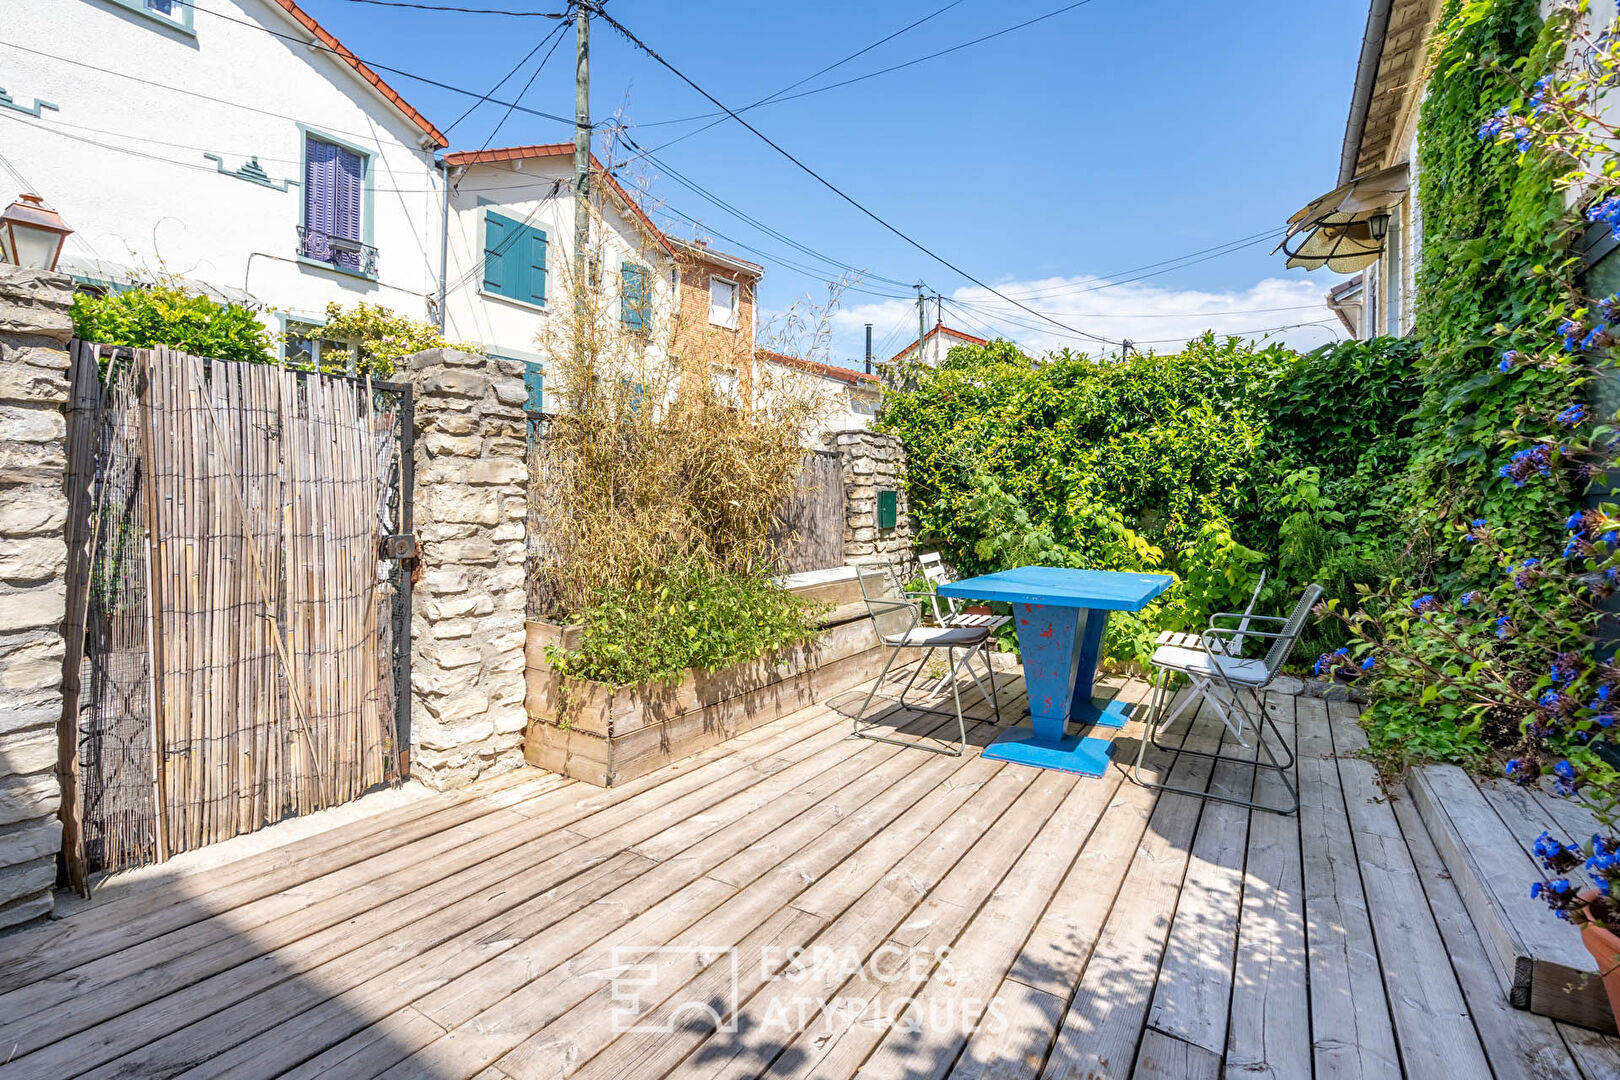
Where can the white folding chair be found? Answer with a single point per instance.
(1217, 663)
(948, 612)
(897, 619)
(1186, 639)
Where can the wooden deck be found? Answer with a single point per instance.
(958, 918)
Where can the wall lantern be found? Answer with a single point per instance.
(1378, 225)
(31, 234)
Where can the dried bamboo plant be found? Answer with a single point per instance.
(647, 460)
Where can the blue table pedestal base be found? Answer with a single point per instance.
(1069, 753)
(1112, 715)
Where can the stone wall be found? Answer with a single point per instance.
(467, 661)
(34, 331)
(873, 463)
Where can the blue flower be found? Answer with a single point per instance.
(1535, 889)
(1574, 414)
(1549, 699)
(1470, 596)
(1316, 668)
(1564, 769)
(1604, 691)
(1508, 359)
(1573, 522)
(1479, 523)
(1425, 604)
(1559, 885)
(1367, 664)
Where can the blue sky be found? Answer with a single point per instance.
(1047, 161)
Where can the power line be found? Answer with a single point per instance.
(611, 21)
(720, 117)
(323, 47)
(555, 30)
(697, 189)
(555, 34)
(466, 10)
(777, 99)
(1125, 277)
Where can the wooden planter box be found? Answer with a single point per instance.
(607, 735)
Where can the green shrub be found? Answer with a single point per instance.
(1213, 463)
(686, 614)
(166, 315)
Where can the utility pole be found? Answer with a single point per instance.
(922, 320)
(582, 146)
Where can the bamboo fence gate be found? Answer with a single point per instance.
(243, 640)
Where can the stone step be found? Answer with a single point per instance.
(1485, 843)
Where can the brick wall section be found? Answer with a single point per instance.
(697, 343)
(873, 463)
(467, 660)
(34, 331)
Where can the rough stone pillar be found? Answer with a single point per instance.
(467, 631)
(34, 331)
(872, 463)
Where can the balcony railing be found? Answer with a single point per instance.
(339, 251)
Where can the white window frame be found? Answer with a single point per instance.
(734, 319)
(727, 384)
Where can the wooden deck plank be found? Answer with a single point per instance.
(1433, 1027)
(436, 970)
(1596, 1054)
(1194, 987)
(1352, 1035)
(1520, 1044)
(541, 861)
(953, 1004)
(1164, 1057)
(489, 1013)
(951, 829)
(1269, 1031)
(1096, 929)
(587, 1029)
(1104, 1022)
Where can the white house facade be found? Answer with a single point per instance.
(323, 190)
(843, 399)
(510, 256)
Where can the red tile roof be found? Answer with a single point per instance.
(325, 38)
(941, 328)
(547, 150)
(816, 367)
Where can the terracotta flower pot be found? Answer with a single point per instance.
(1604, 945)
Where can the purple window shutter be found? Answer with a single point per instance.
(319, 181)
(349, 174)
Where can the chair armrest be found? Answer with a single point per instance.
(1236, 631)
(1251, 618)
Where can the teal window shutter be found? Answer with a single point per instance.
(534, 380)
(535, 266)
(498, 234)
(633, 297)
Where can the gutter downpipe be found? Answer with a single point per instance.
(444, 241)
(1372, 51)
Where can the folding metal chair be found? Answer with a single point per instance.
(1186, 639)
(948, 611)
(1215, 663)
(886, 603)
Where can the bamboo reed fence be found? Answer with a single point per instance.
(238, 620)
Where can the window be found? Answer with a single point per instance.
(175, 13)
(514, 259)
(726, 385)
(635, 298)
(335, 207)
(303, 347)
(723, 302)
(534, 381)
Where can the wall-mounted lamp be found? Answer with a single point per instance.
(1378, 225)
(31, 233)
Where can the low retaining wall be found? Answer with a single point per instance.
(606, 735)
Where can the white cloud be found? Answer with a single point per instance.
(1150, 316)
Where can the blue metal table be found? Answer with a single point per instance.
(1061, 616)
